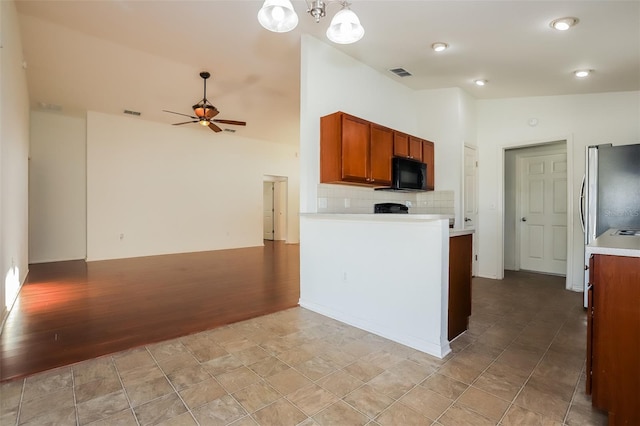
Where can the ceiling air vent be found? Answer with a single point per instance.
(400, 72)
(128, 111)
(230, 130)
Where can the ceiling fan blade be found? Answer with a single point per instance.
(179, 113)
(236, 123)
(214, 128)
(185, 122)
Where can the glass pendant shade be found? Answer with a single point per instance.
(278, 16)
(345, 28)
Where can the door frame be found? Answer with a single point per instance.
(568, 139)
(474, 261)
(280, 205)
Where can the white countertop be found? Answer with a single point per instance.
(615, 245)
(372, 217)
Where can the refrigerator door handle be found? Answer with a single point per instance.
(584, 229)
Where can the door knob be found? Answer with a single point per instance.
(466, 219)
(524, 219)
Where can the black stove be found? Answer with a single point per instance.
(390, 208)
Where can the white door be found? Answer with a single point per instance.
(543, 213)
(267, 213)
(470, 196)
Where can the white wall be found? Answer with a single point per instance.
(57, 188)
(581, 120)
(153, 188)
(447, 117)
(14, 154)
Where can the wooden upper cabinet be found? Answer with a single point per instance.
(428, 157)
(400, 144)
(415, 148)
(355, 149)
(407, 146)
(381, 151)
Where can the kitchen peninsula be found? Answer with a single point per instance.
(387, 274)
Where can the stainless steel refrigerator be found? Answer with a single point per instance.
(610, 196)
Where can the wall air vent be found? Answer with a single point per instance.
(400, 72)
(230, 130)
(128, 111)
(50, 107)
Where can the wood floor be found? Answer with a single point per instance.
(71, 311)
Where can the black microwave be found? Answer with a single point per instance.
(407, 175)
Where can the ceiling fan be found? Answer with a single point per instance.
(204, 112)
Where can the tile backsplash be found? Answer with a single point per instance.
(356, 199)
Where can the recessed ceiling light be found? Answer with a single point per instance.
(563, 24)
(582, 73)
(439, 46)
(480, 82)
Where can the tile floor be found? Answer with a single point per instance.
(520, 363)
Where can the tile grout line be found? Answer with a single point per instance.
(531, 374)
(573, 395)
(75, 399)
(24, 384)
(124, 389)
(169, 381)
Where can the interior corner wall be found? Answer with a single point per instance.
(14, 155)
(155, 189)
(57, 188)
(333, 81)
(447, 117)
(582, 120)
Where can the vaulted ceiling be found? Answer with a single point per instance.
(112, 55)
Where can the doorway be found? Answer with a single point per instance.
(535, 227)
(274, 207)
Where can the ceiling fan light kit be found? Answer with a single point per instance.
(279, 16)
(205, 112)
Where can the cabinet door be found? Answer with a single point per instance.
(415, 148)
(355, 149)
(460, 252)
(381, 152)
(616, 337)
(428, 157)
(400, 144)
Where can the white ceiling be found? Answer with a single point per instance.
(145, 56)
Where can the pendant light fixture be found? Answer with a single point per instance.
(345, 27)
(279, 16)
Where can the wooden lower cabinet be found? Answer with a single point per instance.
(460, 253)
(613, 337)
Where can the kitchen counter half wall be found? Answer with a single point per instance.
(387, 274)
